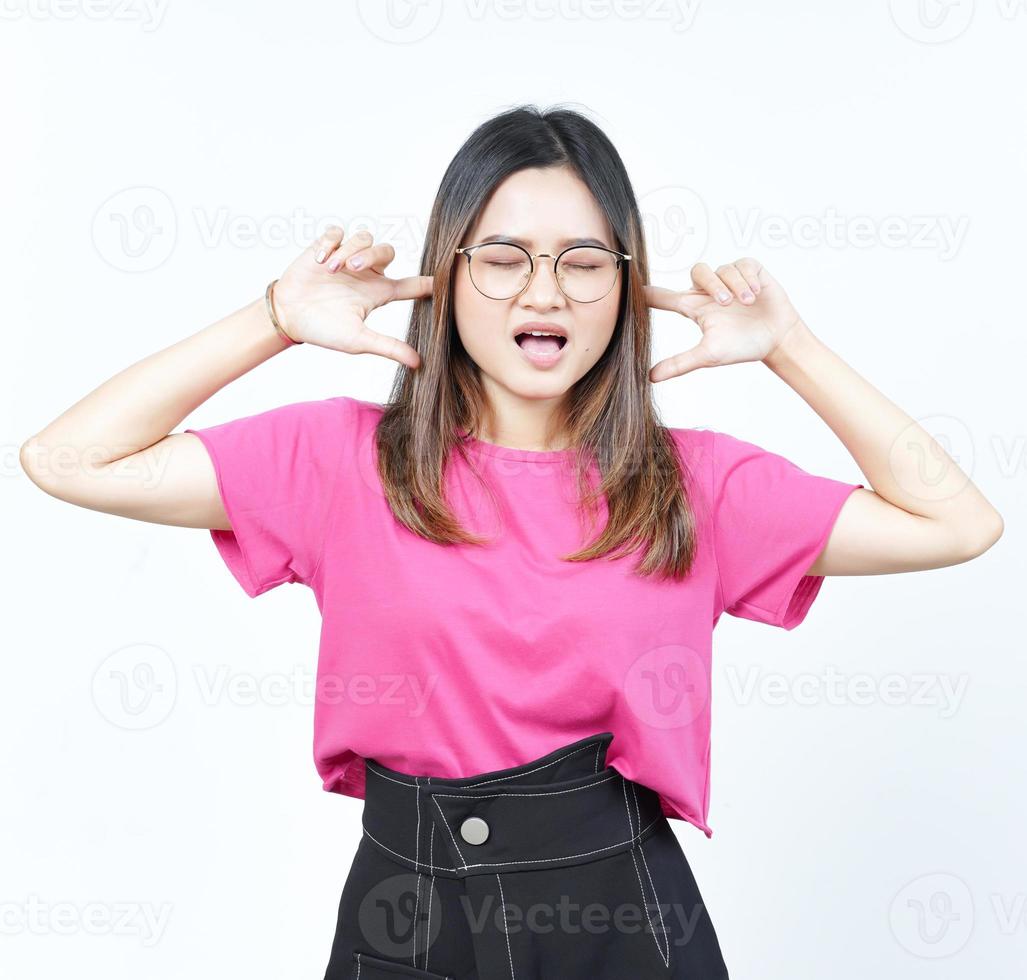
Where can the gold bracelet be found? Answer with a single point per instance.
(274, 319)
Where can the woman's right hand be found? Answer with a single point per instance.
(320, 299)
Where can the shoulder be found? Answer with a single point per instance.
(694, 447)
(335, 417)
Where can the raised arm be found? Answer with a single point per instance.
(111, 451)
(923, 511)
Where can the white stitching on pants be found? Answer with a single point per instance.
(385, 847)
(431, 856)
(659, 910)
(499, 779)
(509, 955)
(431, 890)
(634, 796)
(627, 809)
(450, 829)
(665, 957)
(358, 966)
(427, 938)
(501, 864)
(554, 792)
(417, 852)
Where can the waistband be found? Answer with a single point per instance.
(564, 808)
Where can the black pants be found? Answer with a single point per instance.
(557, 869)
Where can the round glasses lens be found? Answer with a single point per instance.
(499, 271)
(587, 274)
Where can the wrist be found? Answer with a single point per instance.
(796, 340)
(274, 311)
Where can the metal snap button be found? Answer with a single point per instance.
(474, 830)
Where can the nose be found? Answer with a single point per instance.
(543, 292)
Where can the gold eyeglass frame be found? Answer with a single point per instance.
(469, 250)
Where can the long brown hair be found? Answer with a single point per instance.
(610, 416)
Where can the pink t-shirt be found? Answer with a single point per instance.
(452, 660)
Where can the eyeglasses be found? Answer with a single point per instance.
(502, 270)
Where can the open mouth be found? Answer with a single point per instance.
(540, 343)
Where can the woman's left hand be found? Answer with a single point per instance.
(742, 311)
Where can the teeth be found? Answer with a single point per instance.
(542, 333)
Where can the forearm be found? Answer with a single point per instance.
(902, 462)
(143, 403)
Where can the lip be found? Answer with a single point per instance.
(542, 325)
(541, 360)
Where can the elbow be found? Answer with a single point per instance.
(985, 534)
(28, 459)
(36, 460)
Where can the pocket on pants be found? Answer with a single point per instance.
(367, 967)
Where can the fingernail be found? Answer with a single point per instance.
(356, 263)
(748, 296)
(321, 255)
(723, 296)
(333, 265)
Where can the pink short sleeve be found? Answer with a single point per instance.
(276, 472)
(771, 521)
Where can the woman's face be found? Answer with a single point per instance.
(544, 210)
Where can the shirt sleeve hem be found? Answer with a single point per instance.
(226, 541)
(803, 590)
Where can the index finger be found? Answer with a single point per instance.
(414, 287)
(686, 302)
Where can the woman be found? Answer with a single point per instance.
(520, 695)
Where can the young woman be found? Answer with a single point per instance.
(519, 569)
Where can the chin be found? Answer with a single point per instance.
(542, 386)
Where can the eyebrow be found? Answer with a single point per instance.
(528, 243)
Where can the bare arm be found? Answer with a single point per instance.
(923, 511)
(111, 451)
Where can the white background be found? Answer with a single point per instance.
(872, 156)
